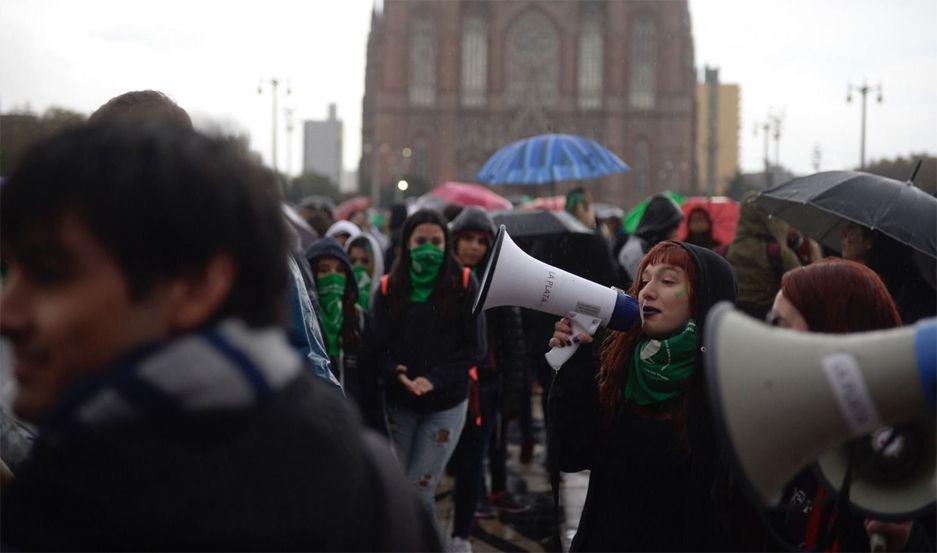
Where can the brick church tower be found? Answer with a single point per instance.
(449, 82)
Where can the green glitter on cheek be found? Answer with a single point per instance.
(681, 293)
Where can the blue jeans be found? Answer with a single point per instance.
(423, 443)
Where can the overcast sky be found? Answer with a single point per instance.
(786, 55)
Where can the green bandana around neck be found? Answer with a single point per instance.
(425, 262)
(660, 368)
(363, 279)
(331, 289)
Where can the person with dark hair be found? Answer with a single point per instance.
(143, 301)
(367, 264)
(149, 104)
(834, 296)
(302, 323)
(502, 372)
(579, 205)
(660, 222)
(347, 329)
(700, 229)
(427, 340)
(398, 214)
(641, 423)
(894, 262)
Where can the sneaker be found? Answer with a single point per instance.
(506, 502)
(485, 509)
(459, 545)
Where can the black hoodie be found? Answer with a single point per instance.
(357, 369)
(644, 494)
(505, 352)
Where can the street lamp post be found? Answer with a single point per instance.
(864, 90)
(765, 128)
(274, 84)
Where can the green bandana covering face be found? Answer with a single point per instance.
(660, 368)
(331, 289)
(425, 262)
(363, 279)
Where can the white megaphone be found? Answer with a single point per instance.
(514, 278)
(783, 399)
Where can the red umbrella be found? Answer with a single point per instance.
(470, 194)
(724, 213)
(349, 206)
(550, 203)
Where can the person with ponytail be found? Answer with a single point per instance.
(638, 416)
(347, 329)
(427, 340)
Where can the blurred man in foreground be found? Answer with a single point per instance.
(145, 287)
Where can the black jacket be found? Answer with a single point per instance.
(647, 490)
(505, 355)
(357, 369)
(293, 473)
(440, 349)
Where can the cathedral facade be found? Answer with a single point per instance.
(449, 82)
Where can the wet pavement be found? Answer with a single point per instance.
(532, 530)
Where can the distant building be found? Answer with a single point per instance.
(349, 182)
(448, 82)
(322, 147)
(717, 133)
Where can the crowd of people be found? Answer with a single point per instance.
(199, 368)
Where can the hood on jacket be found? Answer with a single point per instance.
(377, 255)
(329, 247)
(660, 216)
(715, 281)
(343, 226)
(477, 219)
(473, 218)
(754, 222)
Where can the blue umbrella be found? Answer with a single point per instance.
(548, 158)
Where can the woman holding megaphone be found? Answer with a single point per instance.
(641, 422)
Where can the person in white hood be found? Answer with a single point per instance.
(343, 231)
(367, 264)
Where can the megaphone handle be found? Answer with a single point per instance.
(877, 543)
(556, 357)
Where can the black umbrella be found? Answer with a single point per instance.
(820, 205)
(529, 224)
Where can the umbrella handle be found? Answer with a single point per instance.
(556, 357)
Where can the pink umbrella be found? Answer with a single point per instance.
(470, 194)
(349, 206)
(550, 203)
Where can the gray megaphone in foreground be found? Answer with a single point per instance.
(514, 278)
(783, 399)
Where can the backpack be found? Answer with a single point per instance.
(466, 278)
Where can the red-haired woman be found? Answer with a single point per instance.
(836, 296)
(641, 424)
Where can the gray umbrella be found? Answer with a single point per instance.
(528, 224)
(820, 205)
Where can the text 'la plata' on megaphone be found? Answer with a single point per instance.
(514, 278)
(783, 399)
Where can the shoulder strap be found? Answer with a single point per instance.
(385, 281)
(466, 276)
